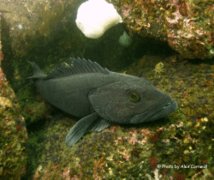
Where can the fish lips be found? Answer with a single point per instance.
(150, 116)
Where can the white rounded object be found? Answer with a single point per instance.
(94, 17)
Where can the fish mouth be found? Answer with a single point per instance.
(153, 115)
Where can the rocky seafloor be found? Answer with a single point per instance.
(32, 132)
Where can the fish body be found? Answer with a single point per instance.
(100, 97)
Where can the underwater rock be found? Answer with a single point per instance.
(13, 134)
(34, 24)
(186, 25)
(104, 155)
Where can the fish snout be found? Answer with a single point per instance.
(162, 109)
(171, 105)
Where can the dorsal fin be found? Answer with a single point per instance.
(37, 72)
(77, 66)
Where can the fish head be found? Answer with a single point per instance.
(132, 101)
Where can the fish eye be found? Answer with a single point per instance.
(134, 96)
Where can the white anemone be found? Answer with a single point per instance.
(94, 17)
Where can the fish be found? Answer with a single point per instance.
(100, 97)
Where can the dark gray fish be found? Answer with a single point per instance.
(100, 97)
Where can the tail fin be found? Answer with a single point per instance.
(37, 72)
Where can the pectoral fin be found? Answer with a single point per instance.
(100, 125)
(81, 128)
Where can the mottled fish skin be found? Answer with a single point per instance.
(100, 97)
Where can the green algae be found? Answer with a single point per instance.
(13, 135)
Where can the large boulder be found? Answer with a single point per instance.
(13, 134)
(186, 25)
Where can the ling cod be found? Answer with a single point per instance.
(100, 97)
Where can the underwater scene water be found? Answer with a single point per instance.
(69, 108)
